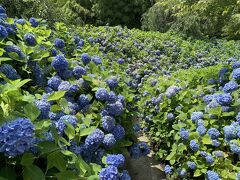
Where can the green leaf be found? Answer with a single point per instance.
(56, 95)
(47, 147)
(56, 159)
(93, 177)
(171, 155)
(69, 131)
(197, 173)
(87, 131)
(7, 173)
(27, 159)
(33, 172)
(67, 175)
(95, 168)
(31, 111)
(206, 140)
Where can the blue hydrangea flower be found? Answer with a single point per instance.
(194, 145)
(108, 123)
(39, 78)
(94, 140)
(21, 21)
(34, 22)
(120, 61)
(30, 39)
(136, 128)
(64, 86)
(191, 165)
(16, 49)
(215, 143)
(118, 132)
(60, 124)
(65, 75)
(101, 94)
(78, 71)
(116, 160)
(230, 87)
(97, 60)
(184, 134)
(56, 116)
(229, 132)
(238, 176)
(236, 74)
(213, 133)
(16, 137)
(140, 149)
(209, 159)
(80, 44)
(212, 81)
(108, 173)
(196, 116)
(218, 153)
(172, 91)
(54, 82)
(54, 52)
(224, 99)
(112, 83)
(124, 175)
(83, 101)
(2, 10)
(3, 16)
(115, 109)
(85, 58)
(3, 32)
(235, 148)
(208, 98)
(109, 141)
(59, 43)
(236, 65)
(10, 31)
(182, 173)
(168, 169)
(59, 63)
(9, 72)
(44, 108)
(112, 97)
(74, 88)
(201, 130)
(170, 116)
(212, 175)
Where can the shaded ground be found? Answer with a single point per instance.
(145, 168)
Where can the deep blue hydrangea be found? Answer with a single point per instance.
(194, 145)
(140, 149)
(209, 159)
(170, 116)
(84, 84)
(212, 81)
(112, 83)
(215, 143)
(108, 123)
(235, 148)
(3, 16)
(59, 43)
(54, 52)
(21, 21)
(224, 99)
(10, 31)
(2, 10)
(16, 137)
(191, 165)
(66, 75)
(54, 82)
(116, 160)
(74, 88)
(213, 133)
(238, 117)
(182, 173)
(218, 153)
(64, 86)
(78, 71)
(230, 87)
(120, 61)
(108, 173)
(97, 60)
(236, 74)
(236, 65)
(195, 116)
(97, 156)
(212, 175)
(59, 63)
(3, 32)
(200, 122)
(101, 94)
(109, 141)
(118, 132)
(112, 97)
(201, 130)
(80, 44)
(184, 134)
(85, 58)
(61, 123)
(56, 116)
(208, 98)
(168, 169)
(30, 39)
(172, 91)
(136, 128)
(124, 175)
(44, 108)
(15, 49)
(203, 153)
(34, 22)
(9, 72)
(115, 109)
(83, 101)
(121, 99)
(94, 140)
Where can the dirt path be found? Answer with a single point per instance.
(145, 168)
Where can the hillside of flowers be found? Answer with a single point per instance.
(73, 100)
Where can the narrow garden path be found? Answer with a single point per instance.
(145, 168)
